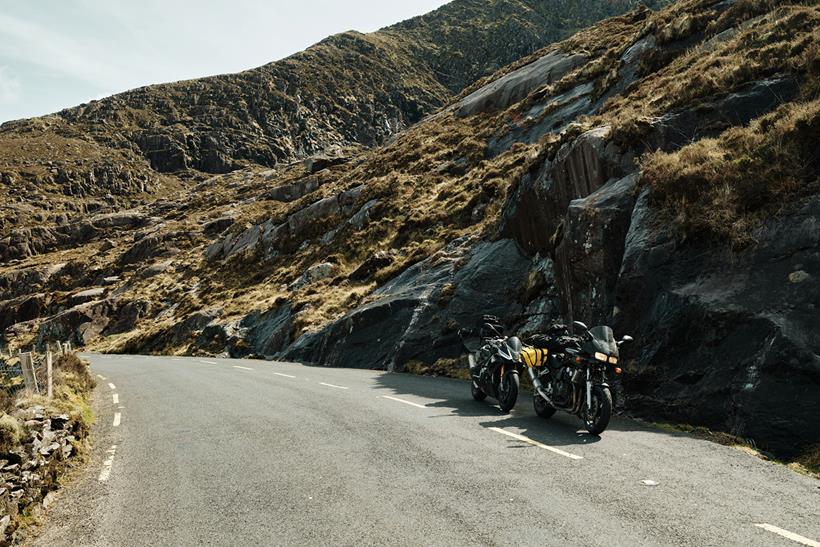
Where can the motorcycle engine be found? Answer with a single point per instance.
(562, 391)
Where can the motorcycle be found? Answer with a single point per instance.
(569, 373)
(494, 362)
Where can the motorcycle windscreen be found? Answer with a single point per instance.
(603, 340)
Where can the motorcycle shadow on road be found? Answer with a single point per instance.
(454, 396)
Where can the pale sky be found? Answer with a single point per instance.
(60, 53)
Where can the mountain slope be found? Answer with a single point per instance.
(350, 89)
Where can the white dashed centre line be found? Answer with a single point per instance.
(332, 385)
(403, 401)
(117, 418)
(112, 386)
(101, 377)
(283, 374)
(241, 368)
(116, 398)
(208, 362)
(536, 443)
(106, 468)
(788, 535)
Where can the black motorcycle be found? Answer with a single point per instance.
(569, 373)
(495, 362)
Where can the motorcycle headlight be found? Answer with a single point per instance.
(613, 360)
(601, 356)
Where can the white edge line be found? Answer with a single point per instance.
(116, 398)
(403, 401)
(283, 374)
(536, 443)
(789, 535)
(243, 368)
(333, 385)
(106, 468)
(207, 362)
(117, 418)
(112, 386)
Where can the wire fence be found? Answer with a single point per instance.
(11, 375)
(32, 371)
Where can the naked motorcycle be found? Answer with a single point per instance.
(569, 373)
(494, 361)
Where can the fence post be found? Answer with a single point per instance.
(49, 375)
(27, 364)
(59, 348)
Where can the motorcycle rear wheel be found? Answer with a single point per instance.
(597, 418)
(508, 391)
(542, 407)
(478, 395)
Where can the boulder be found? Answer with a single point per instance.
(80, 325)
(316, 272)
(318, 162)
(217, 225)
(295, 190)
(371, 265)
(88, 295)
(182, 332)
(128, 316)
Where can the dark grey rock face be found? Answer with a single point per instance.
(536, 206)
(727, 341)
(418, 313)
(591, 250)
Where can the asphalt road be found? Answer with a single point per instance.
(193, 451)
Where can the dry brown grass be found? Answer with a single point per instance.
(782, 42)
(720, 188)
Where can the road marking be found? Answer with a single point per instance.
(106, 468)
(116, 399)
(283, 374)
(650, 482)
(207, 362)
(243, 368)
(101, 377)
(403, 401)
(117, 418)
(112, 386)
(332, 385)
(789, 535)
(176, 359)
(536, 443)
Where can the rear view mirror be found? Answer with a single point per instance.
(580, 325)
(625, 339)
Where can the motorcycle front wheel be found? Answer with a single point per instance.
(508, 391)
(542, 407)
(478, 395)
(596, 418)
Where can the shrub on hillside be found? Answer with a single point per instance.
(10, 432)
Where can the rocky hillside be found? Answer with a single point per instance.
(657, 171)
(350, 89)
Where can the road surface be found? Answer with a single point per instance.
(205, 451)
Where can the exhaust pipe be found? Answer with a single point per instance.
(536, 383)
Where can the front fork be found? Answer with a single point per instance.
(589, 389)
